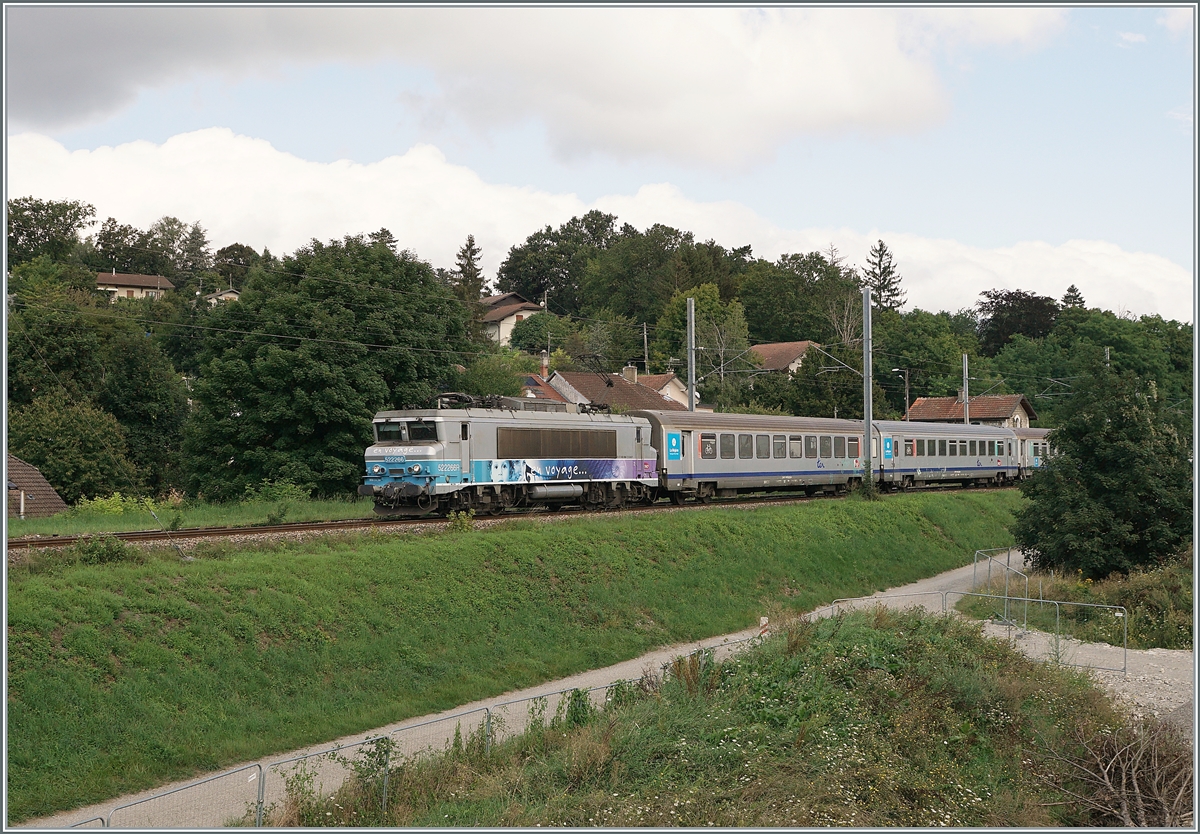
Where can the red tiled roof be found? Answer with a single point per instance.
(542, 389)
(504, 298)
(778, 356)
(656, 381)
(40, 498)
(124, 279)
(623, 393)
(988, 407)
(504, 311)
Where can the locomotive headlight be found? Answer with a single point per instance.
(415, 469)
(377, 470)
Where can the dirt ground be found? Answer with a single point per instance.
(1152, 681)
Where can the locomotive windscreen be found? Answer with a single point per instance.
(555, 443)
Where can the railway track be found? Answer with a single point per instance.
(191, 534)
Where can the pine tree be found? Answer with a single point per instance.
(1073, 297)
(469, 283)
(883, 279)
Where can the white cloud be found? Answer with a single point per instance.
(714, 85)
(1128, 38)
(1183, 115)
(1177, 20)
(243, 190)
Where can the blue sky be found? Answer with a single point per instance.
(999, 147)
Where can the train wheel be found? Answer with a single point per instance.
(677, 498)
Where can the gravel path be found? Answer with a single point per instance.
(1159, 682)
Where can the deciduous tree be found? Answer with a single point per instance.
(1116, 493)
(45, 227)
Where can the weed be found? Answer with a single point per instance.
(277, 515)
(102, 550)
(461, 521)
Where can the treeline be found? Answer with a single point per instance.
(167, 394)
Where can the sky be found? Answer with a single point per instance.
(990, 148)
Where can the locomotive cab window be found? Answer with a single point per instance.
(745, 445)
(420, 431)
(727, 446)
(779, 446)
(391, 432)
(826, 446)
(839, 447)
(708, 446)
(795, 446)
(762, 446)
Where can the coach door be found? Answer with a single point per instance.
(464, 450)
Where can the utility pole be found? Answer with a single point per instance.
(546, 307)
(966, 395)
(1106, 357)
(646, 348)
(691, 337)
(867, 414)
(905, 371)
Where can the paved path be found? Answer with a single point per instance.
(1159, 681)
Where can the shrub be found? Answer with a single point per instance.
(103, 550)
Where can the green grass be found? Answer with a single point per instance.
(1158, 605)
(871, 719)
(130, 674)
(72, 523)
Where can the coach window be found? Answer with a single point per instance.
(972, 453)
(852, 447)
(826, 446)
(795, 446)
(910, 448)
(810, 446)
(942, 449)
(745, 445)
(953, 448)
(839, 447)
(727, 447)
(991, 448)
(708, 446)
(920, 448)
(762, 446)
(779, 446)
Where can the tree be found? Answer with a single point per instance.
(232, 262)
(294, 371)
(534, 333)
(45, 227)
(723, 353)
(883, 279)
(1073, 297)
(496, 373)
(1116, 492)
(553, 260)
(122, 248)
(79, 448)
(801, 297)
(1004, 313)
(469, 283)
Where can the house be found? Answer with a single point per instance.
(502, 312)
(666, 384)
(215, 298)
(1007, 410)
(125, 285)
(613, 390)
(29, 493)
(782, 356)
(534, 387)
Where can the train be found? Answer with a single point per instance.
(505, 453)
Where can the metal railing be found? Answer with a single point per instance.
(1008, 570)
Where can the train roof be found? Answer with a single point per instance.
(504, 414)
(703, 420)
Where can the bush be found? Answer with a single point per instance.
(281, 490)
(103, 550)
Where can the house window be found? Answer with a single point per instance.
(129, 293)
(520, 317)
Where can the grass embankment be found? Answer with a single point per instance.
(871, 719)
(124, 675)
(1158, 604)
(129, 516)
